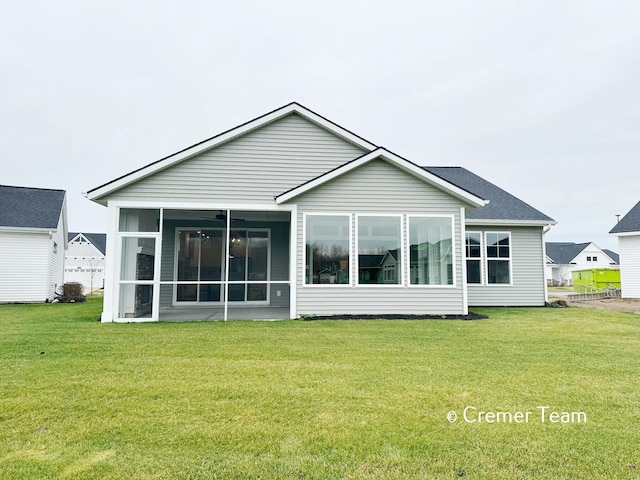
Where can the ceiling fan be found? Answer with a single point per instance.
(223, 217)
(220, 216)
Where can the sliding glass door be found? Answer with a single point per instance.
(201, 265)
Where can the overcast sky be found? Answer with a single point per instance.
(541, 98)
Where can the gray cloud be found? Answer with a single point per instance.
(540, 98)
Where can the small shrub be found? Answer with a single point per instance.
(558, 304)
(71, 293)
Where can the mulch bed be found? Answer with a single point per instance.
(470, 316)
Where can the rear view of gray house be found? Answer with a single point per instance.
(291, 214)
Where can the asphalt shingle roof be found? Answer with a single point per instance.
(613, 255)
(630, 222)
(99, 240)
(564, 252)
(502, 205)
(24, 207)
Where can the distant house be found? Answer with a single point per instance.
(628, 232)
(566, 257)
(84, 261)
(33, 240)
(290, 214)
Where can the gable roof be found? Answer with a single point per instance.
(392, 158)
(25, 207)
(562, 253)
(502, 205)
(630, 223)
(98, 240)
(224, 137)
(492, 203)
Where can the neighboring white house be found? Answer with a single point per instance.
(84, 261)
(290, 214)
(565, 257)
(628, 232)
(33, 240)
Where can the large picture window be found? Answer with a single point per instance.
(379, 250)
(473, 249)
(498, 247)
(431, 250)
(327, 249)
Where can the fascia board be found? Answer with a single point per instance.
(222, 138)
(390, 157)
(515, 223)
(27, 230)
(624, 234)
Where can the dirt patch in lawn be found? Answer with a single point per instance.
(631, 305)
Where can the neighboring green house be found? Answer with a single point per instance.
(595, 279)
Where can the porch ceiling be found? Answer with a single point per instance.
(218, 215)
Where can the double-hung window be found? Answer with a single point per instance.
(498, 247)
(473, 249)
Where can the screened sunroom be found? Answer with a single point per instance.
(184, 264)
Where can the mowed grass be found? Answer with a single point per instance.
(316, 400)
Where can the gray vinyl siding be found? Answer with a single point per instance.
(250, 169)
(279, 256)
(378, 187)
(527, 270)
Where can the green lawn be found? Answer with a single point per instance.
(323, 399)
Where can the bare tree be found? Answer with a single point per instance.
(92, 271)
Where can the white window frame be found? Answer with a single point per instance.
(408, 252)
(304, 283)
(498, 259)
(480, 259)
(401, 273)
(155, 290)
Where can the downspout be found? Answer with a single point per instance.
(463, 263)
(544, 264)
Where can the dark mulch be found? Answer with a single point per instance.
(470, 316)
